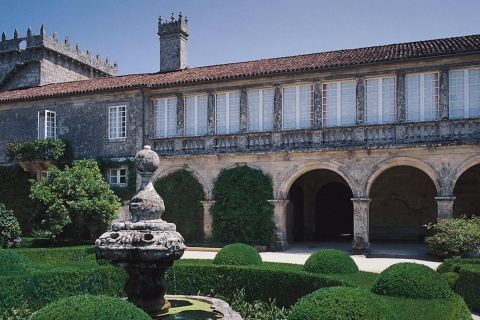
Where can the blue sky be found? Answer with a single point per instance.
(223, 31)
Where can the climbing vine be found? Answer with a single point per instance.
(182, 195)
(127, 192)
(241, 212)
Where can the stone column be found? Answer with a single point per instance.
(360, 224)
(243, 110)
(211, 113)
(444, 207)
(317, 105)
(360, 107)
(180, 115)
(280, 220)
(277, 109)
(401, 105)
(207, 219)
(443, 108)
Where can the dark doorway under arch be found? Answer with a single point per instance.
(319, 208)
(334, 212)
(466, 193)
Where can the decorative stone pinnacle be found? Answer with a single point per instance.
(4, 36)
(146, 160)
(15, 34)
(179, 16)
(29, 32)
(173, 17)
(42, 30)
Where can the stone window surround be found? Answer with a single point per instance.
(120, 128)
(47, 124)
(466, 86)
(165, 124)
(119, 173)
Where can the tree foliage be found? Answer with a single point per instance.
(241, 212)
(182, 195)
(9, 227)
(75, 203)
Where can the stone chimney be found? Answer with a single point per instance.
(173, 43)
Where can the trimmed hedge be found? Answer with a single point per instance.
(468, 285)
(238, 254)
(451, 278)
(341, 303)
(411, 280)
(12, 262)
(267, 282)
(455, 264)
(330, 261)
(56, 255)
(86, 307)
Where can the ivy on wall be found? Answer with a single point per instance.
(241, 212)
(182, 195)
(127, 192)
(14, 194)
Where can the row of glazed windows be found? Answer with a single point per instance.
(338, 105)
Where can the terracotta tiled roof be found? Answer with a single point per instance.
(315, 61)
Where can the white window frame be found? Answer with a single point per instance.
(117, 122)
(196, 115)
(380, 104)
(118, 174)
(419, 102)
(165, 115)
(260, 109)
(339, 108)
(227, 112)
(297, 107)
(464, 93)
(47, 125)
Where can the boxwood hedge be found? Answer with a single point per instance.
(238, 254)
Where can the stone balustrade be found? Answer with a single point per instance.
(370, 136)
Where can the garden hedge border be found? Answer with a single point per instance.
(56, 255)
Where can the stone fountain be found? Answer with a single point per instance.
(146, 246)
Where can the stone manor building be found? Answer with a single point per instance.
(364, 144)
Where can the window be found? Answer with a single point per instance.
(380, 100)
(47, 125)
(227, 112)
(260, 110)
(117, 177)
(165, 118)
(117, 122)
(338, 104)
(421, 96)
(464, 93)
(297, 111)
(196, 115)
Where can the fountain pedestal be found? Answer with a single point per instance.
(146, 246)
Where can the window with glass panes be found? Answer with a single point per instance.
(464, 93)
(196, 115)
(165, 117)
(297, 108)
(227, 112)
(47, 125)
(117, 122)
(338, 103)
(421, 96)
(260, 110)
(117, 177)
(380, 100)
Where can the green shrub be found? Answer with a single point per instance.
(238, 254)
(454, 237)
(411, 280)
(451, 278)
(75, 203)
(45, 149)
(242, 212)
(9, 228)
(56, 255)
(11, 261)
(455, 264)
(264, 283)
(340, 303)
(468, 285)
(182, 194)
(330, 261)
(90, 307)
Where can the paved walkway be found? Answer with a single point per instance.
(380, 257)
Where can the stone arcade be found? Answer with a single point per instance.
(363, 144)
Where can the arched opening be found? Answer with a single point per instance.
(403, 200)
(319, 208)
(466, 193)
(22, 45)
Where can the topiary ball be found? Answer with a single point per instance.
(329, 261)
(10, 261)
(340, 303)
(238, 254)
(411, 280)
(90, 307)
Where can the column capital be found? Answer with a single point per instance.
(361, 199)
(452, 198)
(279, 202)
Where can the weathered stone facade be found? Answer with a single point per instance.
(37, 60)
(362, 181)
